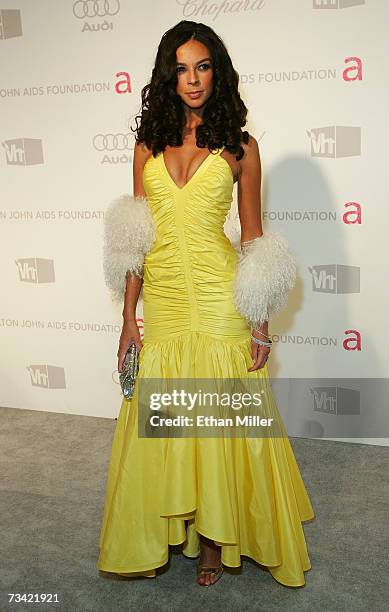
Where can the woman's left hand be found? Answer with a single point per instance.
(259, 353)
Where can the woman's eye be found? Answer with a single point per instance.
(202, 66)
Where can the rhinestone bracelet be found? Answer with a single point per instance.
(262, 342)
(260, 332)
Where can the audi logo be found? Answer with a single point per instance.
(95, 8)
(112, 142)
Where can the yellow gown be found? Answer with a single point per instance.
(246, 494)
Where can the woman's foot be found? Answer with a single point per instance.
(209, 567)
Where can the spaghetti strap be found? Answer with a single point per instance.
(220, 150)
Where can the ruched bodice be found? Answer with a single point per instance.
(189, 272)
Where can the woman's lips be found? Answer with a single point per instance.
(195, 95)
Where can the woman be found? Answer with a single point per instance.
(206, 309)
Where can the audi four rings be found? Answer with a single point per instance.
(95, 8)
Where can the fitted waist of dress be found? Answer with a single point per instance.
(191, 289)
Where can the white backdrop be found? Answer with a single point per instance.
(312, 74)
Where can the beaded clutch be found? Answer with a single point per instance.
(129, 371)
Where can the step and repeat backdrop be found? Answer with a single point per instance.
(313, 76)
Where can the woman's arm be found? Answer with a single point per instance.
(249, 207)
(267, 268)
(134, 281)
(130, 331)
(249, 192)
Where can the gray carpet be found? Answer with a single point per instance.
(52, 490)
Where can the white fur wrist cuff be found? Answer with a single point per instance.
(266, 271)
(129, 233)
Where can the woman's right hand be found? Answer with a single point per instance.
(130, 333)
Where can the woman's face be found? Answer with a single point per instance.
(194, 73)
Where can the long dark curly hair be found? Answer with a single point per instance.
(162, 115)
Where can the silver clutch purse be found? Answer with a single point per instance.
(129, 371)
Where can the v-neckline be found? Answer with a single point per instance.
(201, 168)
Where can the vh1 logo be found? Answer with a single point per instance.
(10, 23)
(335, 141)
(23, 151)
(336, 400)
(336, 4)
(35, 270)
(335, 278)
(47, 376)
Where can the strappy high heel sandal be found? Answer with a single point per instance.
(203, 570)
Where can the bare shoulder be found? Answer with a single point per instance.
(251, 152)
(141, 155)
(141, 152)
(250, 164)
